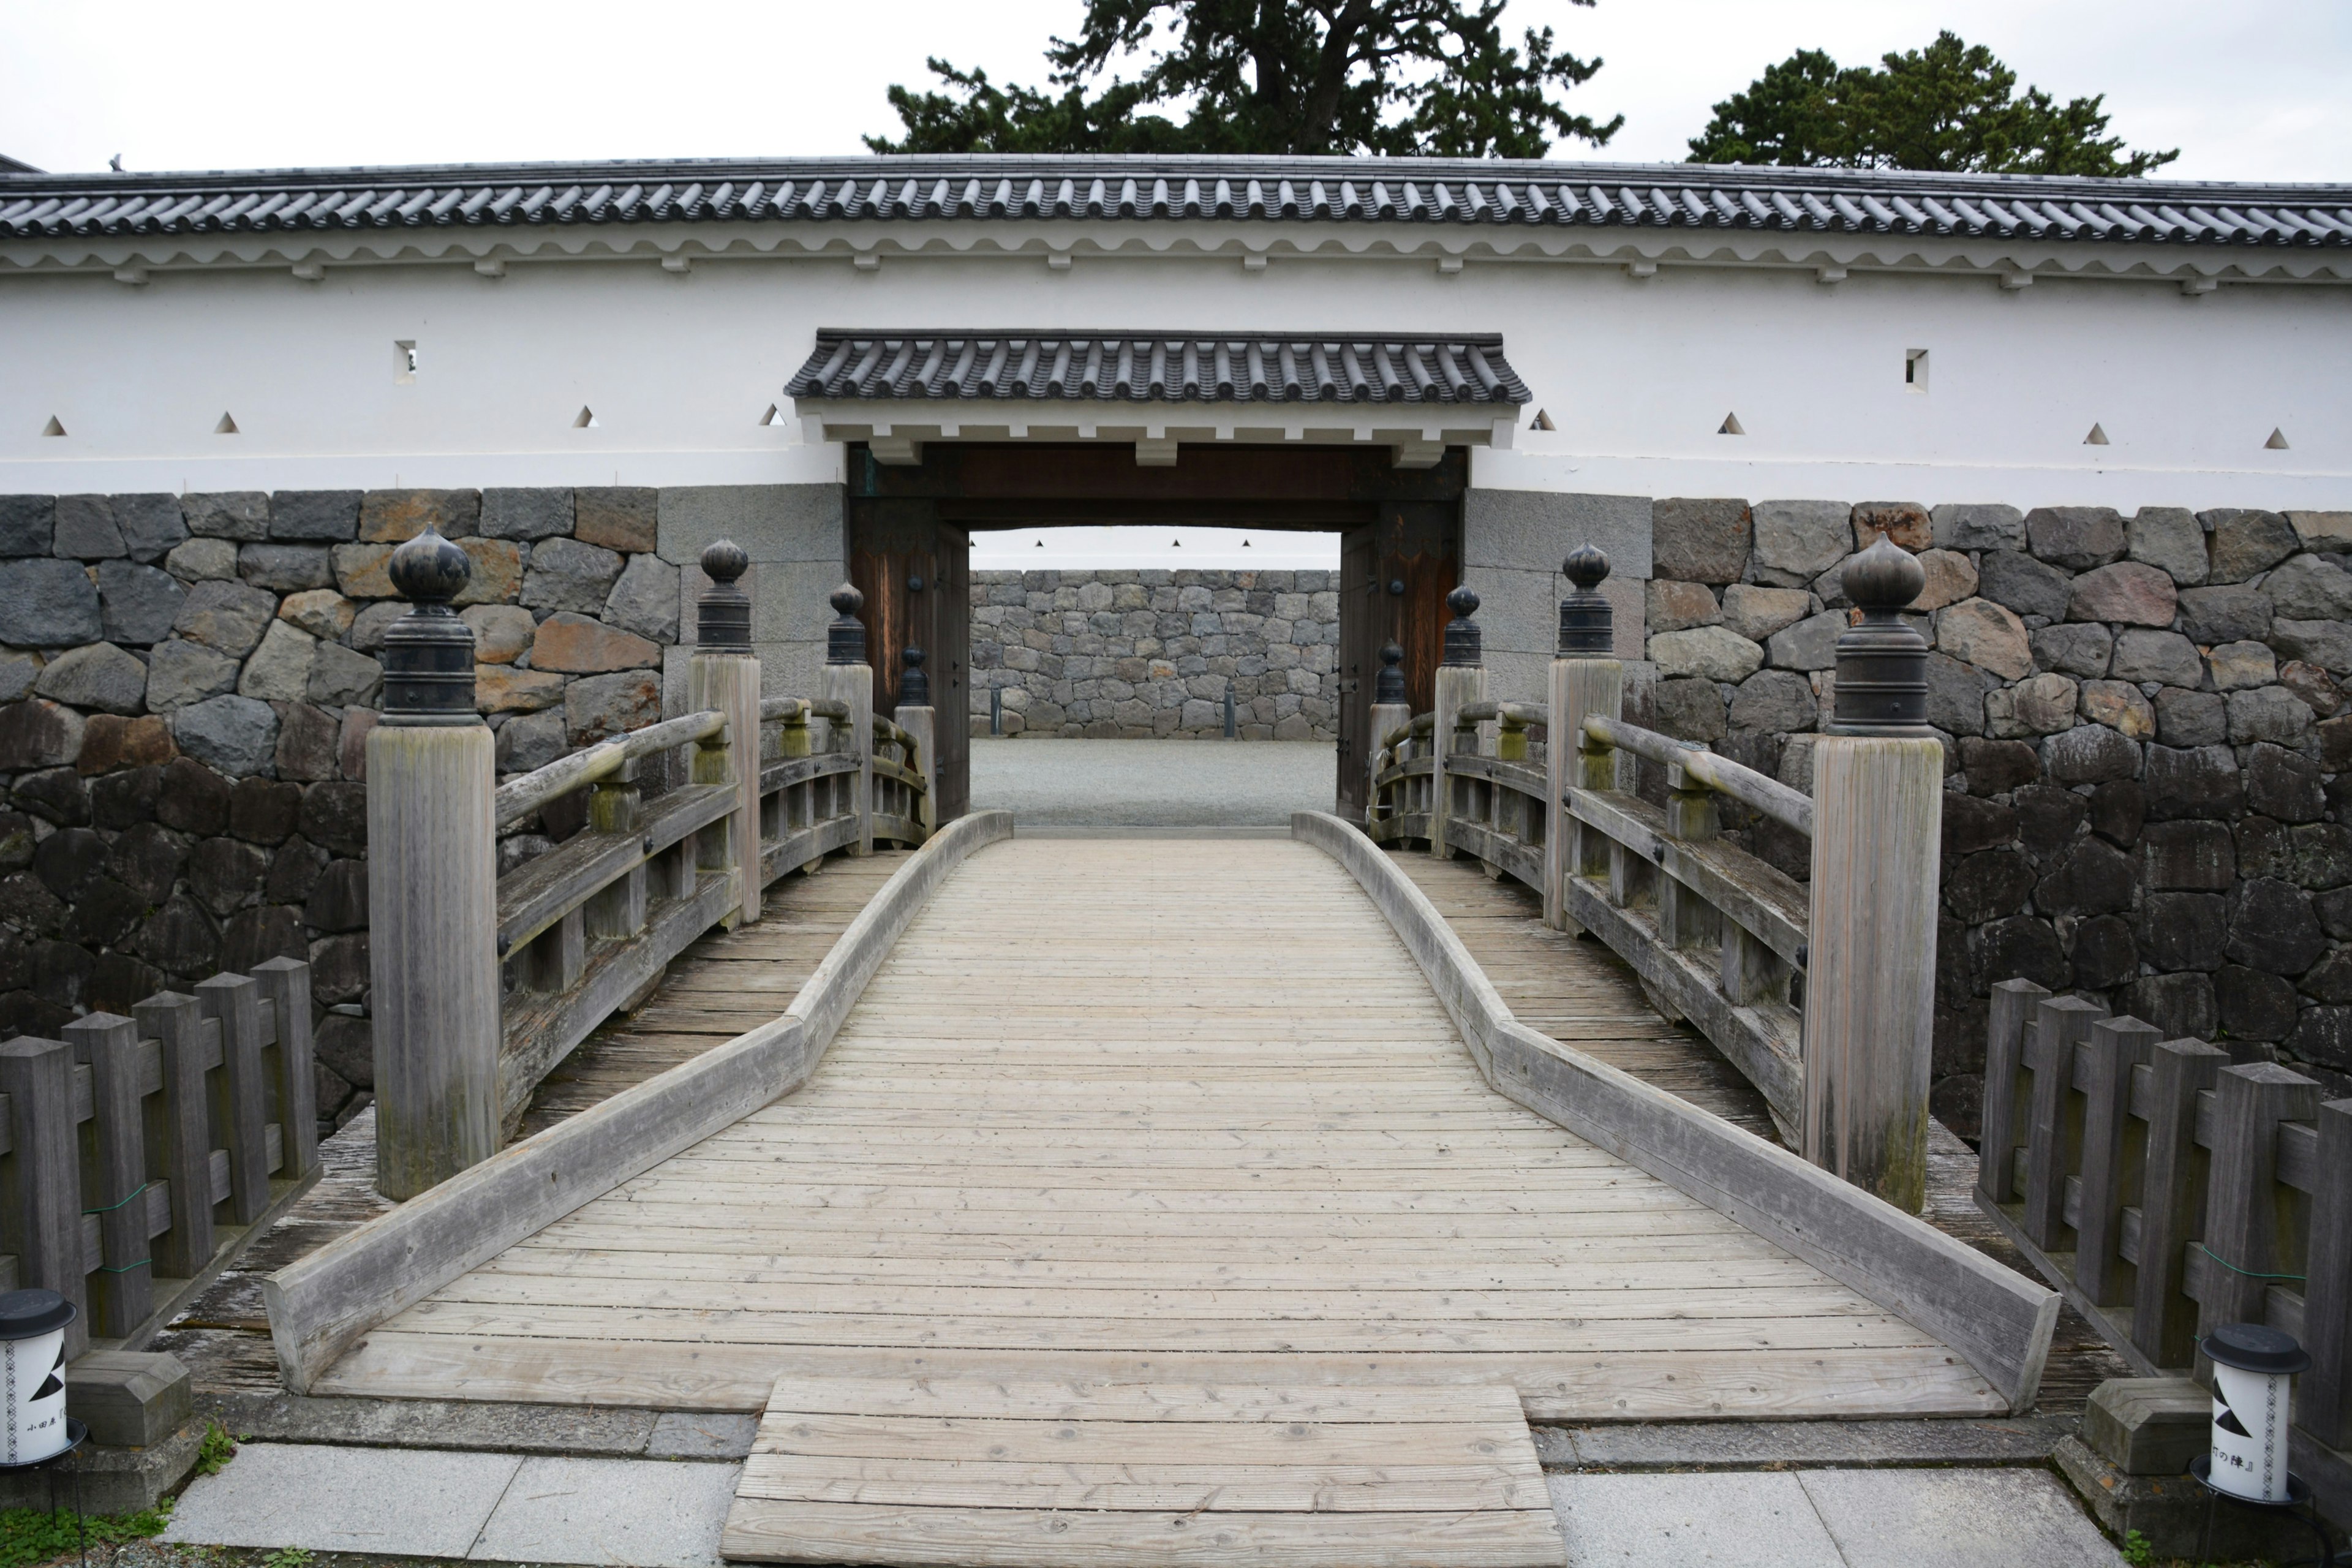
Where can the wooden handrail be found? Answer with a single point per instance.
(518, 798)
(1776, 800)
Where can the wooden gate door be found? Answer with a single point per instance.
(916, 574)
(1393, 579)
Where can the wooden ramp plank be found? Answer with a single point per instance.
(1038, 1472)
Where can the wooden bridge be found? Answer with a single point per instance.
(1090, 1202)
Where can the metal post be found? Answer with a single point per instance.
(432, 887)
(1586, 678)
(1229, 711)
(849, 680)
(997, 710)
(1870, 978)
(1461, 682)
(723, 673)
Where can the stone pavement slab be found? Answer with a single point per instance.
(1956, 1519)
(1749, 1520)
(645, 1513)
(409, 1502)
(1167, 784)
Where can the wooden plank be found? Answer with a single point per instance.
(177, 1023)
(286, 988)
(40, 1184)
(233, 1002)
(2053, 1145)
(2114, 1158)
(124, 1276)
(2244, 1233)
(2172, 1201)
(2326, 1391)
(2012, 1008)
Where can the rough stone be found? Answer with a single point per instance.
(2044, 705)
(233, 735)
(2188, 856)
(146, 859)
(180, 672)
(2184, 931)
(2119, 706)
(502, 633)
(2094, 877)
(286, 568)
(2253, 1006)
(2165, 658)
(1758, 613)
(2263, 848)
(193, 798)
(1797, 541)
(280, 669)
(137, 603)
(2327, 643)
(47, 604)
(229, 617)
(2269, 713)
(1951, 577)
(2025, 584)
(1997, 767)
(530, 741)
(2202, 781)
(1976, 527)
(2311, 683)
(2322, 855)
(2103, 952)
(230, 515)
(2228, 614)
(2322, 529)
(2170, 538)
(2324, 1036)
(67, 859)
(1710, 653)
(1971, 823)
(321, 612)
(339, 901)
(1678, 606)
(2243, 543)
(258, 935)
(308, 739)
(525, 514)
(334, 817)
(2128, 592)
(394, 516)
(503, 688)
(16, 677)
(39, 734)
(202, 560)
(2273, 928)
(618, 517)
(1988, 636)
(2191, 717)
(565, 575)
(1689, 709)
(1906, 522)
(1697, 540)
(316, 517)
(340, 677)
(225, 875)
(498, 572)
(2077, 649)
(2282, 783)
(28, 523)
(100, 676)
(110, 741)
(601, 705)
(346, 1047)
(2335, 912)
(2306, 588)
(1987, 886)
(2180, 1006)
(362, 571)
(1776, 701)
(2242, 666)
(2023, 947)
(85, 528)
(358, 724)
(644, 599)
(1809, 644)
(2090, 753)
(2076, 537)
(574, 644)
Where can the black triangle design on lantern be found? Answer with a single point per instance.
(2228, 1421)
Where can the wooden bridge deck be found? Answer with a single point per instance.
(1154, 1111)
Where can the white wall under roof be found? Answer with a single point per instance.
(1637, 375)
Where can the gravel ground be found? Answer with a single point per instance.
(1153, 783)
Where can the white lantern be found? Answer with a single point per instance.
(33, 1374)
(2251, 1366)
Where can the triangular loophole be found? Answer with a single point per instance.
(2277, 443)
(1543, 420)
(227, 426)
(1730, 427)
(54, 428)
(2097, 437)
(585, 419)
(772, 416)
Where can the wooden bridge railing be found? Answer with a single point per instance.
(1823, 995)
(482, 983)
(2168, 1192)
(136, 1153)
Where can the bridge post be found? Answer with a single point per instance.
(724, 674)
(1389, 709)
(1878, 795)
(1461, 681)
(849, 680)
(1586, 678)
(920, 720)
(433, 958)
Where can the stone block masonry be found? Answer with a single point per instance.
(187, 683)
(2147, 741)
(1152, 654)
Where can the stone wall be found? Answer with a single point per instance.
(2149, 748)
(1129, 655)
(188, 684)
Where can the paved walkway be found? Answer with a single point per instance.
(1154, 784)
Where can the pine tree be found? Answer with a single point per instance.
(1395, 77)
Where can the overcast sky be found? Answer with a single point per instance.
(2250, 90)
